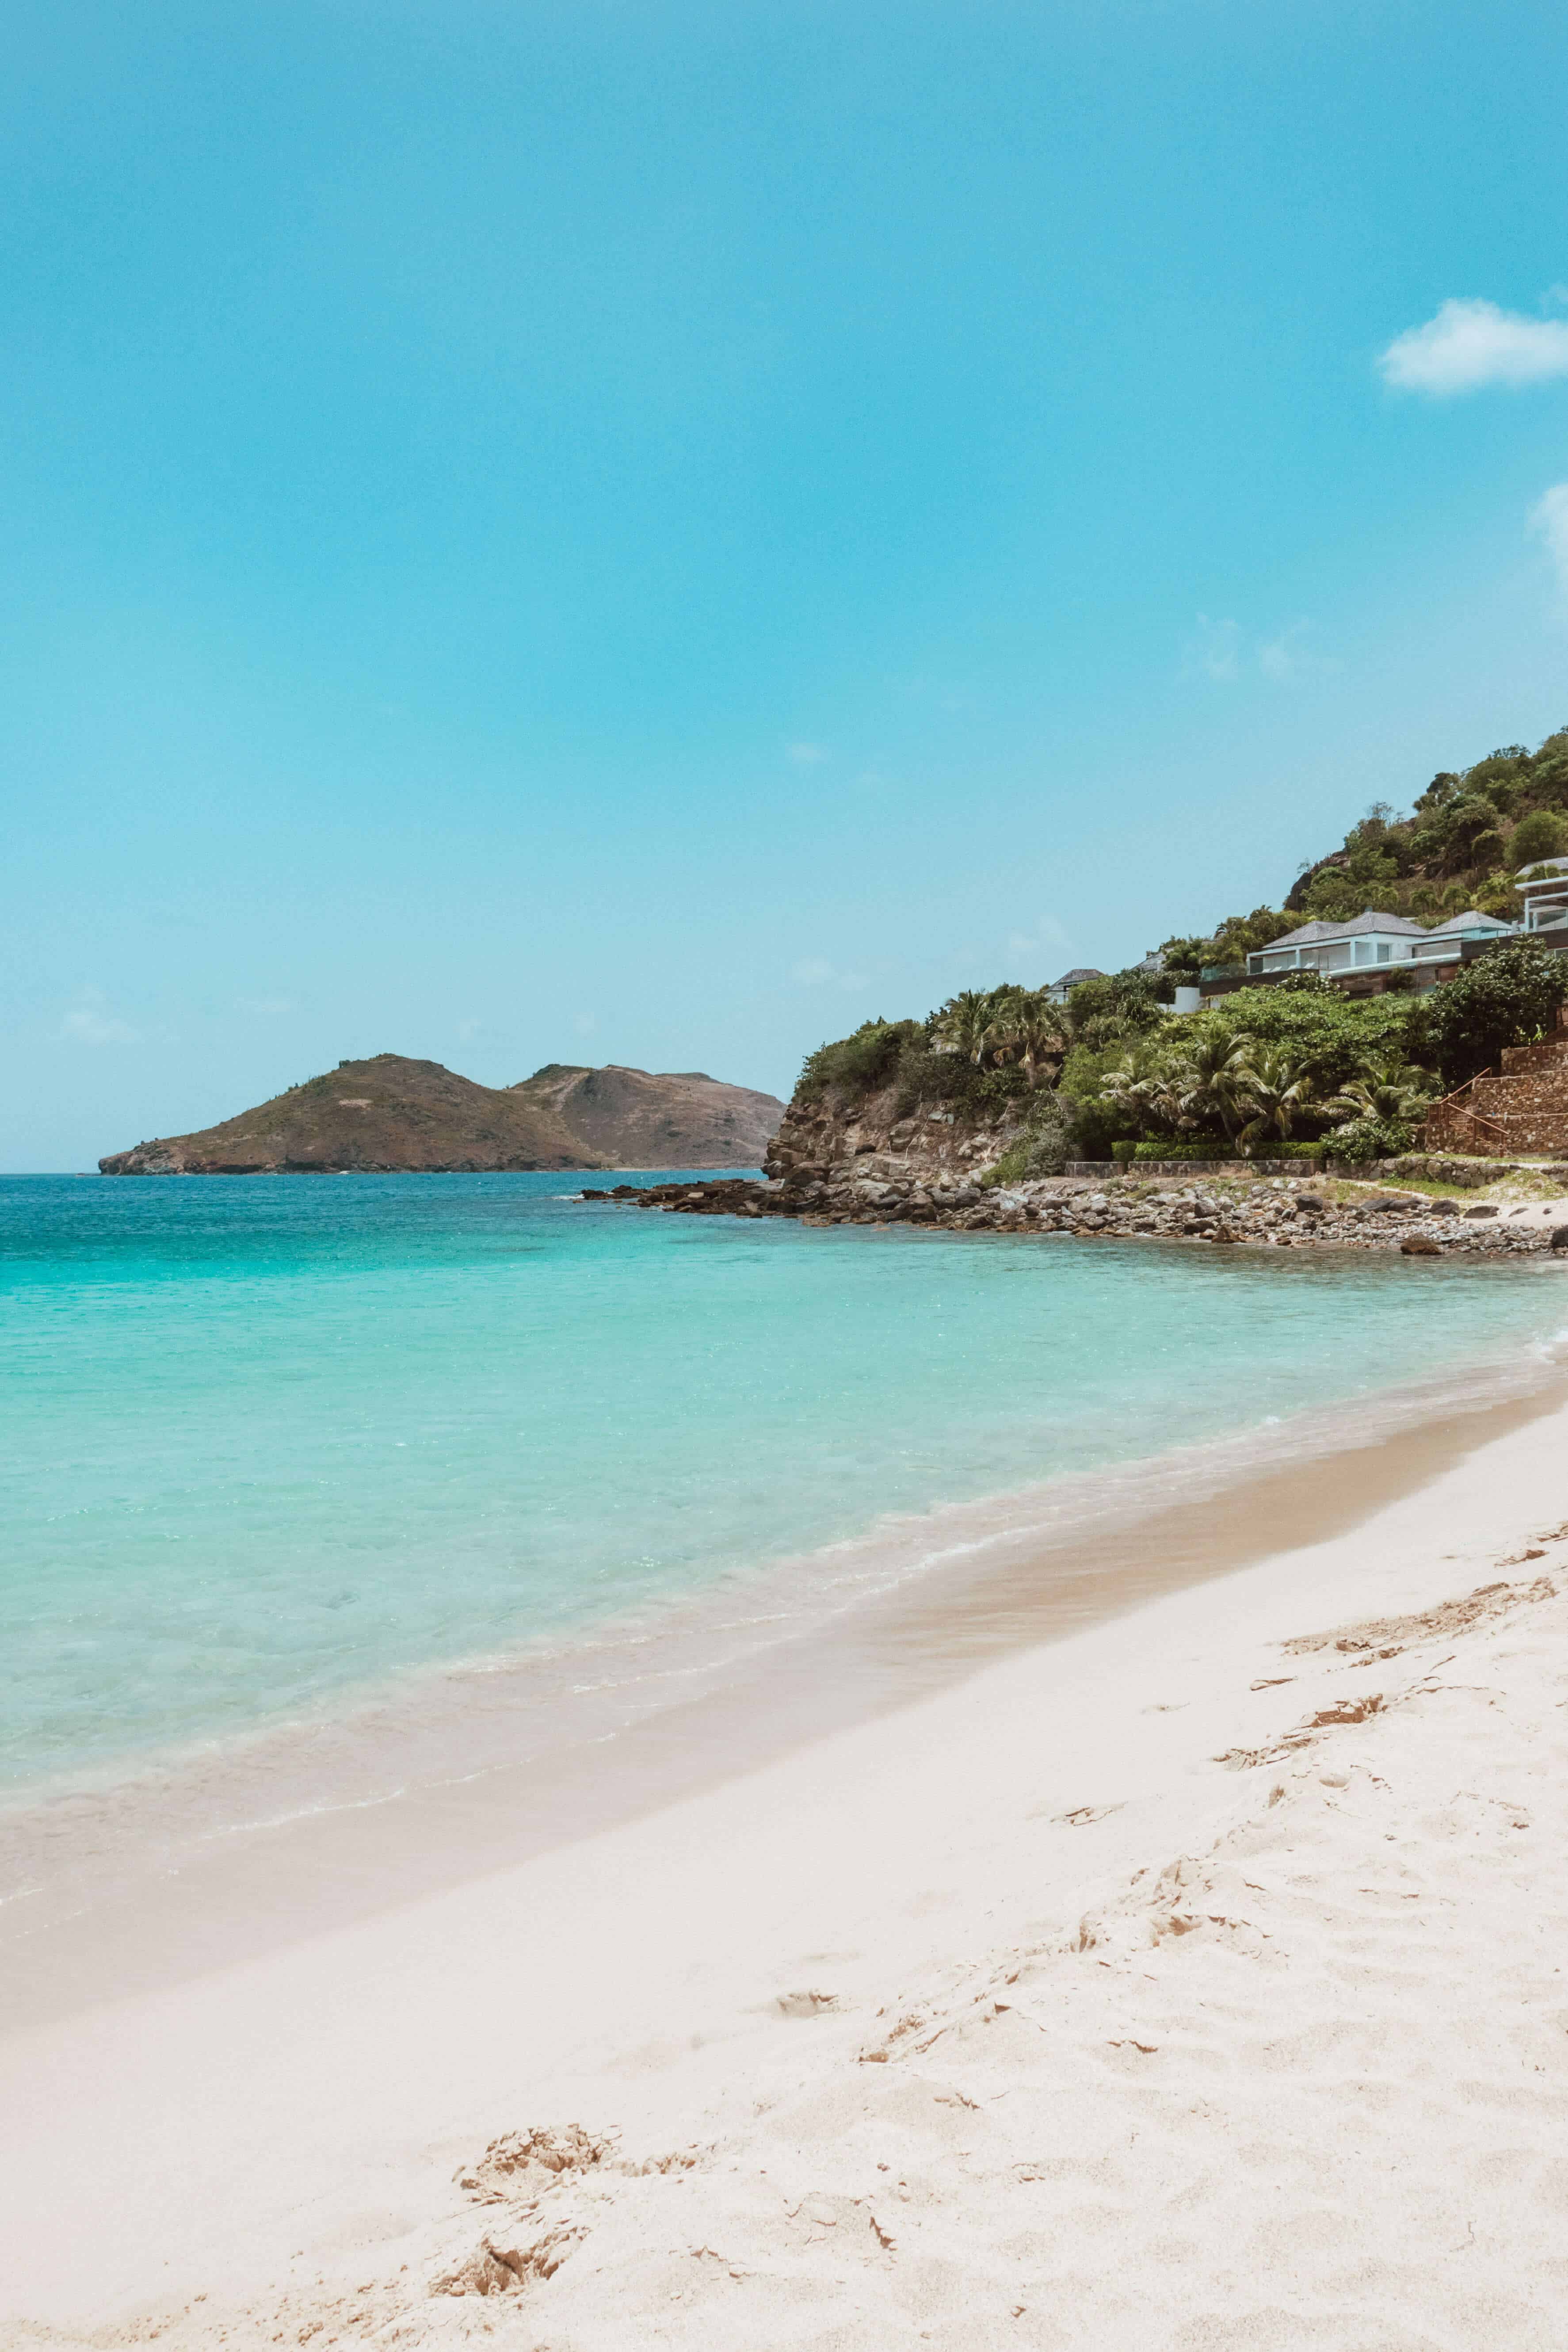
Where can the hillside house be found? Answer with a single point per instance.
(1364, 955)
(1544, 889)
(1059, 990)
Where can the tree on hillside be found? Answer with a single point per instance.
(1112, 1006)
(1214, 1078)
(1027, 1027)
(1507, 997)
(1275, 1088)
(1542, 834)
(964, 1023)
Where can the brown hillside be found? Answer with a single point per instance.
(383, 1115)
(672, 1118)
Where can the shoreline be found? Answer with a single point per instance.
(1257, 1211)
(261, 1842)
(921, 2024)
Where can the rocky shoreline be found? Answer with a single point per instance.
(1278, 1212)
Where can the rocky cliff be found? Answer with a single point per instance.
(836, 1148)
(390, 1114)
(641, 1118)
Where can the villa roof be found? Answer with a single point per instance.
(1545, 869)
(1080, 971)
(1311, 933)
(1473, 920)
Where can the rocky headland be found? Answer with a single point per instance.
(846, 1156)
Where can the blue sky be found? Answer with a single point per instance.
(653, 533)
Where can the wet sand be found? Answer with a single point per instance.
(291, 1836)
(1194, 1978)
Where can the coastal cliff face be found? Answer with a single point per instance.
(837, 1149)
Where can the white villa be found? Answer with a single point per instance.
(1370, 940)
(1544, 889)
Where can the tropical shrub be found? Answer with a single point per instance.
(927, 1076)
(1214, 1147)
(1507, 997)
(860, 1063)
(1198, 1147)
(1399, 1092)
(1361, 1139)
(1048, 1143)
(1329, 1033)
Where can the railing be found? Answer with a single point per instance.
(1456, 1102)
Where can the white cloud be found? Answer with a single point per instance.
(1289, 655)
(1214, 650)
(267, 1008)
(1049, 937)
(1219, 650)
(584, 1025)
(90, 1023)
(816, 972)
(1549, 517)
(1472, 343)
(808, 755)
(468, 1030)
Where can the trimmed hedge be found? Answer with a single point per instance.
(1219, 1149)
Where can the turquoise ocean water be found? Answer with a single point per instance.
(272, 1442)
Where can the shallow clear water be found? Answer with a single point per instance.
(272, 1439)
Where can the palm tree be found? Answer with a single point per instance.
(1163, 1097)
(1155, 1098)
(1212, 1080)
(1026, 1023)
(1395, 1090)
(964, 1023)
(1274, 1088)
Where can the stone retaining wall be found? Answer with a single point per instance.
(1194, 1168)
(1523, 1108)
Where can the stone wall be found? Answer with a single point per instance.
(1523, 1108)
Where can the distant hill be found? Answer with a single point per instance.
(674, 1118)
(390, 1114)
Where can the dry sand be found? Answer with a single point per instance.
(1198, 1980)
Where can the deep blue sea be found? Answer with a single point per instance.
(272, 1442)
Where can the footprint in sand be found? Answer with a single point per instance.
(805, 2004)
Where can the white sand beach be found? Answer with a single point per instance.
(1197, 1981)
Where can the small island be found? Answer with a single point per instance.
(392, 1115)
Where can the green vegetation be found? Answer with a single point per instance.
(859, 1064)
(1046, 1142)
(1264, 1071)
(1213, 1147)
(1509, 997)
(1467, 837)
